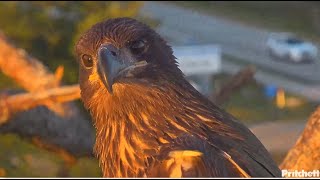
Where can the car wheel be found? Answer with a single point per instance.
(271, 53)
(292, 59)
(287, 57)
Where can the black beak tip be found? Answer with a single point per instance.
(110, 89)
(107, 81)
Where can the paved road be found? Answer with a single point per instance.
(182, 26)
(310, 92)
(278, 136)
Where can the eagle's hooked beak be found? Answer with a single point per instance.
(112, 67)
(109, 65)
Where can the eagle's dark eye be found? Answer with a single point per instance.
(87, 60)
(137, 47)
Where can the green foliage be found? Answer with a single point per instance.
(49, 30)
(20, 158)
(90, 165)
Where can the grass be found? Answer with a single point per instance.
(250, 105)
(301, 18)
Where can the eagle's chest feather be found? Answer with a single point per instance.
(128, 147)
(131, 130)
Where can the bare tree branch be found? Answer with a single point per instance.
(16, 103)
(236, 82)
(57, 124)
(305, 155)
(30, 73)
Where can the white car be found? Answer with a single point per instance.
(287, 46)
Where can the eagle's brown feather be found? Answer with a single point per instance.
(145, 125)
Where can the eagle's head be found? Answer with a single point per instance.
(123, 51)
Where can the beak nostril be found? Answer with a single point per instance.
(109, 49)
(113, 53)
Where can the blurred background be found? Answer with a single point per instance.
(212, 41)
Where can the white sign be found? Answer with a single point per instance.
(198, 59)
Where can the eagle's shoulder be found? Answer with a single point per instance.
(190, 156)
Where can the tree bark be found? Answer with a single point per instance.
(305, 155)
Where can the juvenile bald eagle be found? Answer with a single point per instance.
(150, 122)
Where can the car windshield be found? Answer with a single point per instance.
(293, 41)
